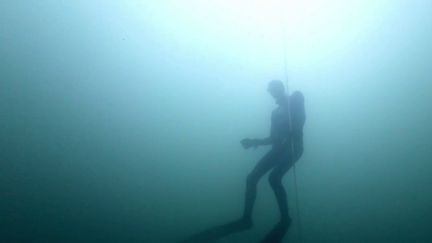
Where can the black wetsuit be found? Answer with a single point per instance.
(278, 159)
(287, 148)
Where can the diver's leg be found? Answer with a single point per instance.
(245, 222)
(275, 180)
(263, 166)
(278, 232)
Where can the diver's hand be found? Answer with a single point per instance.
(247, 143)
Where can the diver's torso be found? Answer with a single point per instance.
(280, 126)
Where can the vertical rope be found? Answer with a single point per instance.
(285, 64)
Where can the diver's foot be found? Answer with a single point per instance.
(220, 231)
(284, 222)
(278, 232)
(244, 223)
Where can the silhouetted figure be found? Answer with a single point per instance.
(286, 139)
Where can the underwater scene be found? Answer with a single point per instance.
(216, 121)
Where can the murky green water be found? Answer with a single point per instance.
(120, 121)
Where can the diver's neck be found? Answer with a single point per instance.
(282, 101)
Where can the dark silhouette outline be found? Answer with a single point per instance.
(286, 138)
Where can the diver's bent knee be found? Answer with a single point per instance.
(252, 179)
(275, 181)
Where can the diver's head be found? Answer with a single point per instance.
(276, 89)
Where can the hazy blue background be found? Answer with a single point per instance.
(120, 120)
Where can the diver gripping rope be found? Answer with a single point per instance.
(285, 67)
(300, 230)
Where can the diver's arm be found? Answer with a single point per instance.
(270, 140)
(263, 141)
(248, 142)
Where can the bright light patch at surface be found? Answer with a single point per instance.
(315, 31)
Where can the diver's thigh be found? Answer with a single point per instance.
(267, 162)
(284, 163)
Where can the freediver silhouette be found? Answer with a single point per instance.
(286, 139)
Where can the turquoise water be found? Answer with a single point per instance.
(121, 120)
